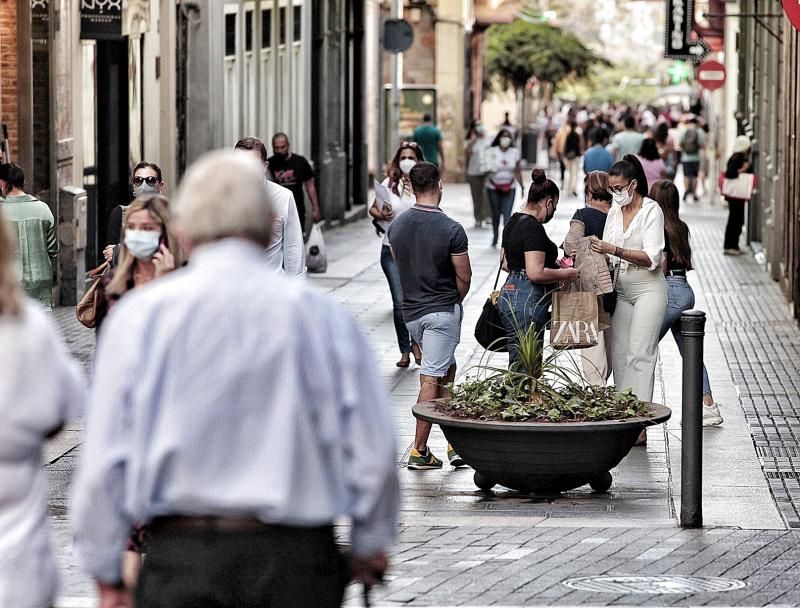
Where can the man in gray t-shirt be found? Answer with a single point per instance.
(628, 141)
(431, 254)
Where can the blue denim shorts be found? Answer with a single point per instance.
(438, 334)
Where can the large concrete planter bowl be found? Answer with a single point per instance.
(542, 457)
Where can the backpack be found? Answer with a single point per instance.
(572, 145)
(691, 141)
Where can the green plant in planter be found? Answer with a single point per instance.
(540, 386)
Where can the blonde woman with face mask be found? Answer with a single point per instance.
(633, 239)
(402, 198)
(148, 250)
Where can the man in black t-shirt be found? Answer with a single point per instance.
(294, 172)
(431, 254)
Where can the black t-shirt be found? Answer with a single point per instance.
(672, 264)
(525, 233)
(423, 239)
(114, 232)
(593, 219)
(292, 173)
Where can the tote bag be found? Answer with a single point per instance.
(316, 254)
(575, 322)
(740, 188)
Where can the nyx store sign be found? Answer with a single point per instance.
(40, 22)
(680, 16)
(101, 19)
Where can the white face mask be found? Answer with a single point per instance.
(505, 142)
(142, 243)
(145, 188)
(622, 198)
(406, 165)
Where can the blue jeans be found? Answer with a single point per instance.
(680, 297)
(522, 304)
(501, 203)
(389, 267)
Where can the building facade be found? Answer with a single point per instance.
(434, 77)
(763, 64)
(292, 66)
(88, 89)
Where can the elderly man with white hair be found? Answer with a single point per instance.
(228, 415)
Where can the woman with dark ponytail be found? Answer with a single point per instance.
(531, 260)
(633, 238)
(680, 296)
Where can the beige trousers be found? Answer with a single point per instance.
(637, 319)
(573, 164)
(596, 360)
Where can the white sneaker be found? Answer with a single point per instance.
(711, 415)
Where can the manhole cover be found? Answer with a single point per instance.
(653, 584)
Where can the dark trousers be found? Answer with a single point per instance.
(270, 567)
(389, 267)
(733, 229)
(502, 203)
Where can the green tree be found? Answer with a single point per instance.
(521, 50)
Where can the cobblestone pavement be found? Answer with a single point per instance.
(521, 566)
(459, 546)
(761, 345)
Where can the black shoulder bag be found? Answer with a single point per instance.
(489, 330)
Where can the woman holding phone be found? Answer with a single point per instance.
(148, 250)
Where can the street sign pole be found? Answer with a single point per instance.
(394, 105)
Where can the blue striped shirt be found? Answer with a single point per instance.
(228, 389)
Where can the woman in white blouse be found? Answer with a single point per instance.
(634, 240)
(385, 212)
(40, 388)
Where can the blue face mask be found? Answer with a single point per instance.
(142, 244)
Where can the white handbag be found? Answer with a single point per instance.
(739, 188)
(316, 254)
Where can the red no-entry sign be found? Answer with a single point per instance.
(711, 74)
(792, 10)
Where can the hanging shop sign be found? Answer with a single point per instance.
(677, 37)
(40, 22)
(699, 50)
(792, 10)
(113, 19)
(711, 75)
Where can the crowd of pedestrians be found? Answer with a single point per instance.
(232, 481)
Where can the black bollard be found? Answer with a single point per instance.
(693, 324)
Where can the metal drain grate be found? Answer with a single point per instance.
(783, 475)
(654, 585)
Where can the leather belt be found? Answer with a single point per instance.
(681, 272)
(207, 523)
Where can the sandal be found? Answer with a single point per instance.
(405, 360)
(417, 353)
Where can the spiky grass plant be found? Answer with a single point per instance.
(541, 385)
